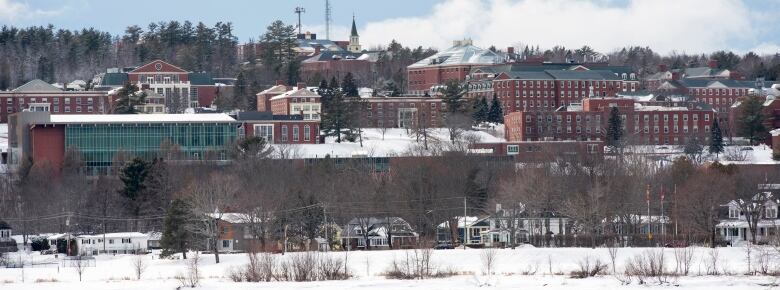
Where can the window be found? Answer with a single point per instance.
(265, 131)
(734, 213)
(126, 241)
(284, 133)
(67, 101)
(111, 241)
(307, 132)
(295, 133)
(226, 243)
(771, 212)
(512, 149)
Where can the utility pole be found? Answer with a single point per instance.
(325, 224)
(299, 10)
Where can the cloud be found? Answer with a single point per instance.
(11, 11)
(665, 25)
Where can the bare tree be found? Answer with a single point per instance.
(139, 266)
(210, 196)
(488, 256)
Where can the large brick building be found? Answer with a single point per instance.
(404, 112)
(280, 129)
(453, 64)
(589, 121)
(720, 94)
(300, 100)
(38, 95)
(336, 64)
(181, 89)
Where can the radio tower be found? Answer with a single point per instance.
(299, 10)
(327, 19)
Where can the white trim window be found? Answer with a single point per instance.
(512, 149)
(771, 212)
(733, 213)
(266, 131)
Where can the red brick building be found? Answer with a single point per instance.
(181, 88)
(404, 112)
(527, 151)
(38, 95)
(770, 111)
(589, 121)
(301, 100)
(720, 94)
(264, 97)
(453, 64)
(276, 129)
(336, 64)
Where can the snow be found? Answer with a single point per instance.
(546, 268)
(396, 142)
(141, 118)
(115, 235)
(4, 137)
(760, 154)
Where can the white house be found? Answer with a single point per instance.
(736, 229)
(113, 243)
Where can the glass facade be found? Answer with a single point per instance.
(99, 144)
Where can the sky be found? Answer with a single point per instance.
(667, 26)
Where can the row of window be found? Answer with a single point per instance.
(769, 212)
(266, 131)
(721, 92)
(56, 101)
(97, 241)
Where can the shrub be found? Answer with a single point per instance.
(589, 267)
(646, 266)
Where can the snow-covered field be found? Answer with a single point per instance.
(522, 268)
(396, 142)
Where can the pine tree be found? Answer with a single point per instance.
(716, 139)
(175, 236)
(496, 113)
(453, 93)
(133, 176)
(751, 119)
(128, 97)
(348, 86)
(615, 129)
(339, 117)
(480, 113)
(240, 91)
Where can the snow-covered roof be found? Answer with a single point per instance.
(140, 118)
(304, 92)
(775, 132)
(277, 89)
(640, 107)
(36, 85)
(461, 54)
(114, 235)
(469, 220)
(233, 218)
(744, 224)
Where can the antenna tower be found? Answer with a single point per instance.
(328, 11)
(299, 10)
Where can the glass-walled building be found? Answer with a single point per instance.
(104, 142)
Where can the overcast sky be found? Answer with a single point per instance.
(693, 26)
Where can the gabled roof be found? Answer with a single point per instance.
(164, 67)
(335, 55)
(354, 28)
(303, 92)
(461, 54)
(36, 86)
(276, 90)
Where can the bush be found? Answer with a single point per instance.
(39, 244)
(589, 267)
(300, 267)
(416, 265)
(646, 266)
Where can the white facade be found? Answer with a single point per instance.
(113, 243)
(735, 228)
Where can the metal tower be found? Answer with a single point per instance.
(299, 10)
(328, 20)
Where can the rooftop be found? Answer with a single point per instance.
(461, 54)
(140, 118)
(36, 85)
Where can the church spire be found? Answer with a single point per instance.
(354, 28)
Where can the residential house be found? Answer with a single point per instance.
(379, 233)
(736, 229)
(7, 244)
(514, 225)
(113, 243)
(471, 226)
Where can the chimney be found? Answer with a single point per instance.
(662, 67)
(712, 63)
(510, 50)
(317, 49)
(279, 82)
(301, 85)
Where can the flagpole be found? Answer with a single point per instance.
(661, 219)
(649, 220)
(676, 213)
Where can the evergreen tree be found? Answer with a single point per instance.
(496, 113)
(176, 235)
(615, 129)
(453, 93)
(348, 86)
(481, 110)
(751, 119)
(128, 97)
(133, 176)
(392, 89)
(240, 93)
(336, 117)
(716, 139)
(279, 42)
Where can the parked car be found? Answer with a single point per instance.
(444, 246)
(747, 149)
(676, 244)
